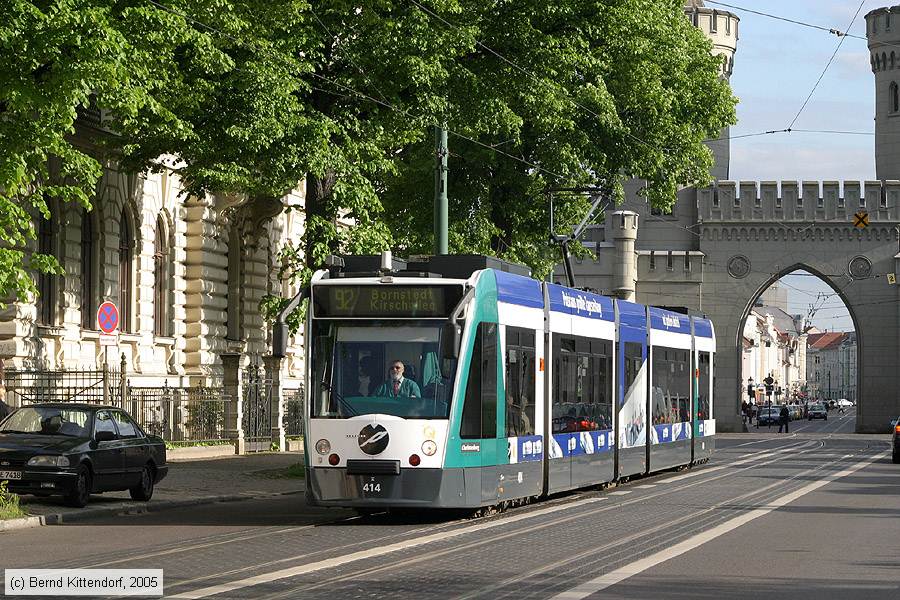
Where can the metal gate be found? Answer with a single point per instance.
(257, 413)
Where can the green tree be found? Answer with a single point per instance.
(60, 58)
(561, 94)
(253, 96)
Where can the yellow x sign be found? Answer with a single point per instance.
(861, 219)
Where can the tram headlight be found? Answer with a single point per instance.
(323, 447)
(429, 447)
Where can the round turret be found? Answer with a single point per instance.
(883, 33)
(721, 27)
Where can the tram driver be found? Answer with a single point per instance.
(397, 385)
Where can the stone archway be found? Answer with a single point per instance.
(751, 241)
(765, 286)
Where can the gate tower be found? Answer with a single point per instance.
(883, 34)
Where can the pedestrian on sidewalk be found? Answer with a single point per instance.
(784, 418)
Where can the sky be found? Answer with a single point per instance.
(775, 68)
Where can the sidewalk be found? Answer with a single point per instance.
(189, 482)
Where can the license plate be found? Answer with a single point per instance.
(10, 474)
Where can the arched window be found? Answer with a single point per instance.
(88, 275)
(894, 98)
(46, 284)
(126, 252)
(161, 281)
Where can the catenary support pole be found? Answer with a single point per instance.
(441, 220)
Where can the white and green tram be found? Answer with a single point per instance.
(511, 388)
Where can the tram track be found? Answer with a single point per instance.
(435, 555)
(681, 528)
(756, 459)
(243, 536)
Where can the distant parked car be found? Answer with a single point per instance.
(817, 411)
(844, 402)
(895, 443)
(769, 416)
(74, 450)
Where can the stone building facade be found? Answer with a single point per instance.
(831, 368)
(187, 275)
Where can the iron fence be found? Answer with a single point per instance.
(192, 414)
(97, 386)
(293, 411)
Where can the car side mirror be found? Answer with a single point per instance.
(451, 336)
(105, 436)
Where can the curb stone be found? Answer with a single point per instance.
(85, 515)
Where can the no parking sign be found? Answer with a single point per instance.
(108, 317)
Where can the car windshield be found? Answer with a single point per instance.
(378, 367)
(48, 420)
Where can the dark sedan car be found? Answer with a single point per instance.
(769, 416)
(74, 450)
(817, 411)
(895, 443)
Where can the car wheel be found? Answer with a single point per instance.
(81, 492)
(896, 458)
(143, 490)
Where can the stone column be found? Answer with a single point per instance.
(234, 399)
(276, 402)
(624, 231)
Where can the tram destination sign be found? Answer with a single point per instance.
(385, 301)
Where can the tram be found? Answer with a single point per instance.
(509, 388)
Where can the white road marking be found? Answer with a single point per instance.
(646, 486)
(372, 553)
(612, 578)
(620, 492)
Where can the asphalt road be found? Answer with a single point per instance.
(802, 515)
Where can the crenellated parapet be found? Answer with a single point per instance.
(829, 202)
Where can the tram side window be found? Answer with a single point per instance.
(634, 358)
(703, 383)
(479, 416)
(582, 384)
(520, 383)
(602, 367)
(671, 385)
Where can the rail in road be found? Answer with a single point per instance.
(573, 546)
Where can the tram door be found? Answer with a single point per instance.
(479, 429)
(631, 390)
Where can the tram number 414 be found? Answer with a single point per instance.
(372, 486)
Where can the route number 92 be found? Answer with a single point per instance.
(372, 486)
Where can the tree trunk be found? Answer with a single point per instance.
(318, 196)
(499, 196)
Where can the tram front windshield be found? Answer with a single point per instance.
(378, 367)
